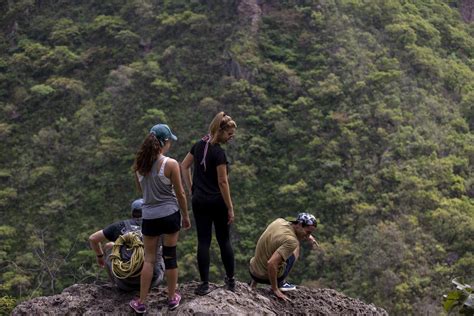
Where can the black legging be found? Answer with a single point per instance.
(206, 213)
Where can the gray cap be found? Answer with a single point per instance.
(137, 208)
(137, 204)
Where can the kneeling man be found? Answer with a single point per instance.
(278, 249)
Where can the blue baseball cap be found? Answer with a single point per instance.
(163, 132)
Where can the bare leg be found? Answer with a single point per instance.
(171, 274)
(150, 243)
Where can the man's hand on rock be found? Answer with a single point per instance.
(282, 296)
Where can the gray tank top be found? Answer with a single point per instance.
(158, 194)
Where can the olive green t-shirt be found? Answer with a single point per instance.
(279, 236)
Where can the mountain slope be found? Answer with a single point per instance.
(359, 112)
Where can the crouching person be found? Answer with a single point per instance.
(119, 248)
(277, 251)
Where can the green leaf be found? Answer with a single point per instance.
(42, 89)
(452, 299)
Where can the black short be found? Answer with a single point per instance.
(164, 225)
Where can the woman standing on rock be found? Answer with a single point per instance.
(159, 179)
(211, 199)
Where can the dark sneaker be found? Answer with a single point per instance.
(174, 302)
(202, 289)
(285, 287)
(138, 307)
(230, 284)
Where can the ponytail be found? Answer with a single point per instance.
(220, 122)
(147, 155)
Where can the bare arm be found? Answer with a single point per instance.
(272, 267)
(314, 242)
(175, 177)
(224, 187)
(137, 183)
(95, 242)
(186, 172)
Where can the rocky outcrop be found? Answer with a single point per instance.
(94, 299)
(250, 12)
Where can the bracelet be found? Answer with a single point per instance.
(100, 256)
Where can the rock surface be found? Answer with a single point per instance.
(250, 10)
(94, 299)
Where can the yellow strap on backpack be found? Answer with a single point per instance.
(125, 269)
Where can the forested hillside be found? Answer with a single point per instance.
(358, 111)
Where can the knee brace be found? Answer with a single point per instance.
(169, 256)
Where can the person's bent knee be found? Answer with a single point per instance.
(169, 257)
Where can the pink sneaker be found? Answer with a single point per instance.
(174, 302)
(138, 307)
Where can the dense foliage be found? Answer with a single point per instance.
(360, 112)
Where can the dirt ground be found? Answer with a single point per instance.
(93, 299)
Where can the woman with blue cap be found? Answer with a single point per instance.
(158, 177)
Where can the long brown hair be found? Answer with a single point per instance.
(147, 155)
(220, 122)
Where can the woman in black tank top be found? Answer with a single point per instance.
(211, 198)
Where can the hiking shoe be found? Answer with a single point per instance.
(285, 287)
(138, 307)
(230, 283)
(174, 302)
(202, 289)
